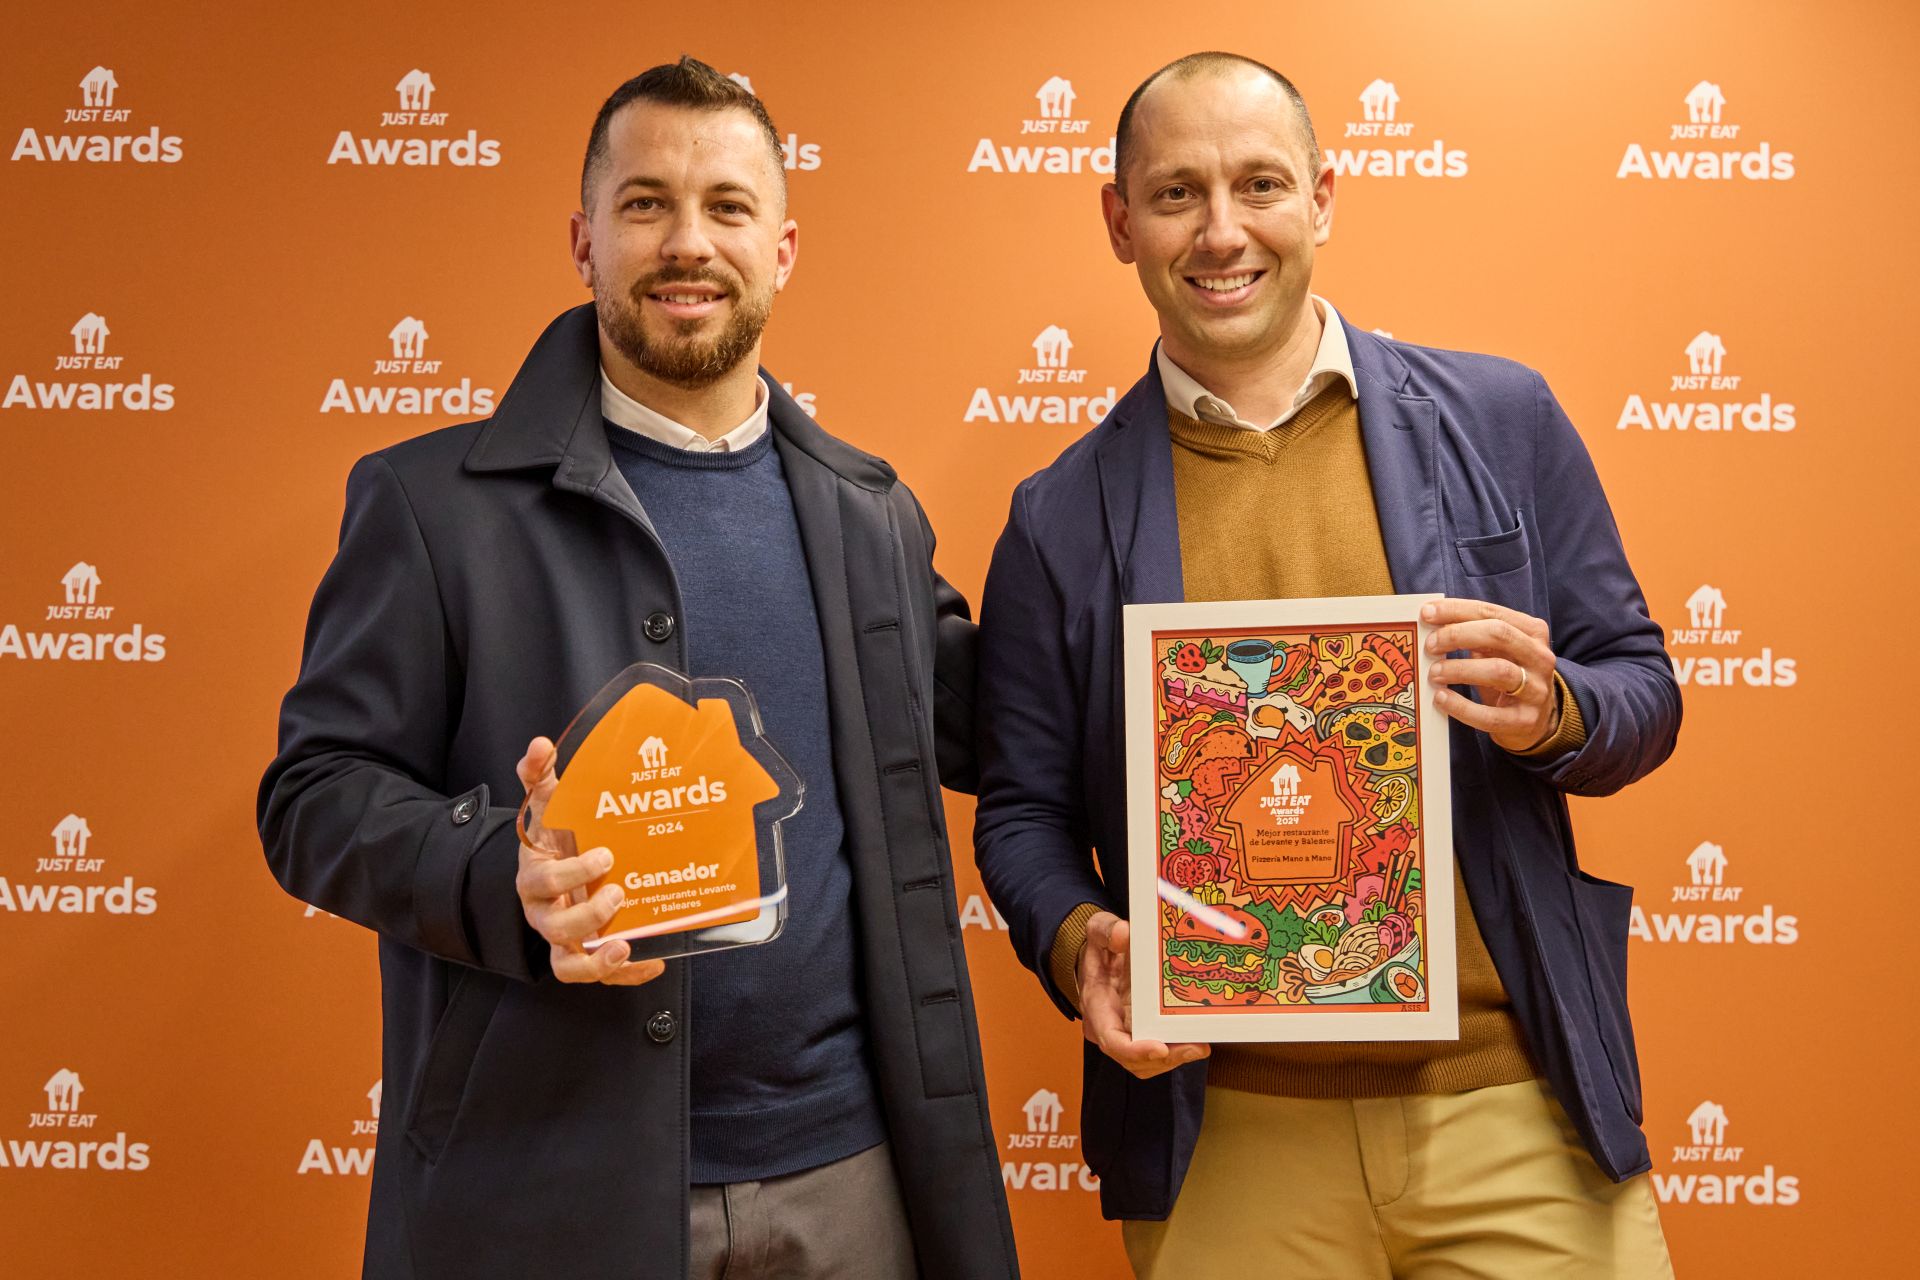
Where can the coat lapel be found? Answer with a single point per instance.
(550, 417)
(816, 509)
(1135, 462)
(1400, 431)
(830, 482)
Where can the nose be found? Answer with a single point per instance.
(686, 242)
(1222, 234)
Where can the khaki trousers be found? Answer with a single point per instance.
(1491, 1184)
(841, 1221)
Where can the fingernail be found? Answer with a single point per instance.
(611, 895)
(603, 859)
(1437, 670)
(1428, 613)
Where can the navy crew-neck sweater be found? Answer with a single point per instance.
(780, 1078)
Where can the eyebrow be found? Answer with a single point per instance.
(1187, 173)
(661, 184)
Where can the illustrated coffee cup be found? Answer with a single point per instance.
(1252, 661)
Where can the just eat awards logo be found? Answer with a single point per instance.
(1707, 145)
(1050, 388)
(70, 879)
(67, 1134)
(799, 156)
(1700, 657)
(352, 1157)
(1710, 906)
(414, 134)
(105, 132)
(979, 913)
(406, 380)
(1710, 1169)
(1707, 394)
(1052, 138)
(1384, 143)
(1033, 1161)
(89, 376)
(79, 601)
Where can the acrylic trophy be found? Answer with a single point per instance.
(675, 777)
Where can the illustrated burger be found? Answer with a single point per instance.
(1206, 966)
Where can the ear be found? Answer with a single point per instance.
(786, 253)
(1323, 205)
(1113, 208)
(580, 236)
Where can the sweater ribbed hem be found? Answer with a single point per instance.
(800, 1132)
(1283, 1071)
(1064, 959)
(1572, 733)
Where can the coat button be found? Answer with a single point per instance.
(659, 626)
(464, 811)
(661, 1026)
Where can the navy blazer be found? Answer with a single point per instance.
(1484, 490)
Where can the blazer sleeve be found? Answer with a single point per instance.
(352, 811)
(1609, 651)
(1030, 831)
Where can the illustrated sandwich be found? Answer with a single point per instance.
(1206, 966)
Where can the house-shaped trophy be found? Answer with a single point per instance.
(676, 778)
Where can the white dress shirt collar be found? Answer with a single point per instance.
(622, 410)
(1332, 362)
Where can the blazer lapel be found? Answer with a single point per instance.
(1400, 431)
(1135, 462)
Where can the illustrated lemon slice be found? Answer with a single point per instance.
(1396, 802)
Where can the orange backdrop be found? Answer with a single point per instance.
(236, 262)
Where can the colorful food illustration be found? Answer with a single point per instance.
(1291, 849)
(1194, 677)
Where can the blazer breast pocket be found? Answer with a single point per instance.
(1499, 566)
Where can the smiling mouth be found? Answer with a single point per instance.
(1225, 284)
(686, 299)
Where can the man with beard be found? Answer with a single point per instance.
(811, 1107)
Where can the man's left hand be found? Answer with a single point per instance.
(1508, 660)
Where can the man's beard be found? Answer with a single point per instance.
(685, 361)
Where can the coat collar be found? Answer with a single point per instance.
(1398, 428)
(550, 417)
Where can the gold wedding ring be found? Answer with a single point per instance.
(1515, 691)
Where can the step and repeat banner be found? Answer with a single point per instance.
(245, 247)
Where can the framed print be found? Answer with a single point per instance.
(1290, 852)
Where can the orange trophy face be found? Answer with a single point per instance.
(674, 778)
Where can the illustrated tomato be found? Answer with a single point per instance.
(1187, 869)
(1189, 659)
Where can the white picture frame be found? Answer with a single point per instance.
(1330, 853)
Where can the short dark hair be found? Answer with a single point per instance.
(1185, 69)
(686, 83)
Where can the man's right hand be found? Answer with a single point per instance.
(553, 893)
(1106, 1015)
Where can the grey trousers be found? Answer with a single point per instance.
(841, 1221)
